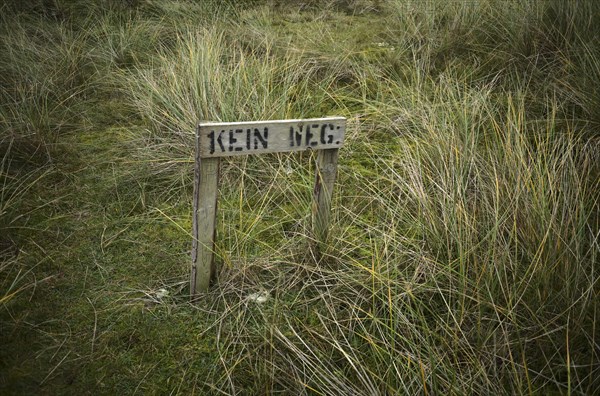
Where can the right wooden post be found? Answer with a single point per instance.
(323, 192)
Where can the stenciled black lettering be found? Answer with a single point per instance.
(323, 130)
(324, 134)
(231, 140)
(298, 135)
(211, 136)
(332, 127)
(264, 138)
(220, 141)
(238, 148)
(291, 136)
(248, 139)
(310, 135)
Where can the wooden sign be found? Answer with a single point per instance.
(257, 137)
(216, 140)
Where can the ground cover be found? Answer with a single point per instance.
(464, 246)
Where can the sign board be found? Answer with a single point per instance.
(261, 137)
(216, 140)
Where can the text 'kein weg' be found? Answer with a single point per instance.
(237, 140)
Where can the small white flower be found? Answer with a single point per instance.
(259, 297)
(161, 293)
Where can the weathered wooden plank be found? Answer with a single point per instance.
(324, 182)
(206, 180)
(259, 137)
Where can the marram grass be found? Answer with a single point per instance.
(462, 256)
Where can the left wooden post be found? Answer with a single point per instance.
(206, 184)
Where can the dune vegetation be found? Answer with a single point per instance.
(464, 248)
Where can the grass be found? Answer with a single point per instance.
(463, 250)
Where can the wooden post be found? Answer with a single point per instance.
(323, 192)
(206, 181)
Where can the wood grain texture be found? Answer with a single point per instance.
(260, 137)
(323, 192)
(206, 184)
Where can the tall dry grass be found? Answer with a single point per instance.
(465, 236)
